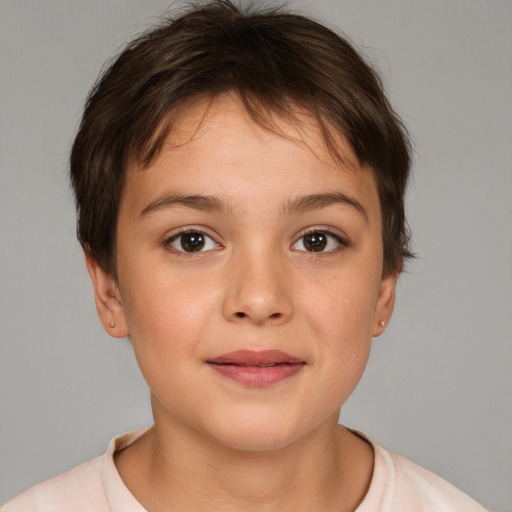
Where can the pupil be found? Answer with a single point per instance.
(192, 242)
(315, 242)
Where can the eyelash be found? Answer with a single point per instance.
(169, 241)
(339, 240)
(342, 242)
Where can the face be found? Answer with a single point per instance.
(249, 278)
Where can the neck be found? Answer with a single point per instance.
(179, 469)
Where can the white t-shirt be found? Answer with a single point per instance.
(398, 485)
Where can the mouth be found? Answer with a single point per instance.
(257, 368)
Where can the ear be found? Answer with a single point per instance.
(385, 304)
(108, 300)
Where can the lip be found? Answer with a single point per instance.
(257, 368)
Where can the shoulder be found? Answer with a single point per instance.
(431, 488)
(401, 485)
(91, 487)
(79, 489)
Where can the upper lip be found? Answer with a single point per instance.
(255, 358)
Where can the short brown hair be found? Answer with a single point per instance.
(274, 61)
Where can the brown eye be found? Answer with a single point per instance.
(315, 242)
(319, 241)
(192, 241)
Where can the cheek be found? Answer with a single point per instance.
(166, 315)
(340, 315)
(164, 300)
(166, 327)
(343, 307)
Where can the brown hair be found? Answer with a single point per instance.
(274, 61)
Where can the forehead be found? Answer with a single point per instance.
(296, 124)
(216, 147)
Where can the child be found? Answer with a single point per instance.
(239, 181)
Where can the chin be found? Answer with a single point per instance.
(258, 441)
(258, 434)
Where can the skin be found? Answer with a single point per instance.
(256, 287)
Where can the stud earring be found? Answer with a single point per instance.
(381, 323)
(112, 325)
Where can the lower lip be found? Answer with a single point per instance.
(257, 376)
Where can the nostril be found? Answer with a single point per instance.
(274, 316)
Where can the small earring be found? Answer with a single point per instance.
(381, 323)
(112, 325)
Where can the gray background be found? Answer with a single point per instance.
(438, 388)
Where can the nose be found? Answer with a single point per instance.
(258, 291)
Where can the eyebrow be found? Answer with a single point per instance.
(195, 201)
(310, 202)
(296, 205)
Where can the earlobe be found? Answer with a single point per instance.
(107, 297)
(385, 304)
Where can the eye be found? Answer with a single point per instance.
(192, 241)
(318, 241)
